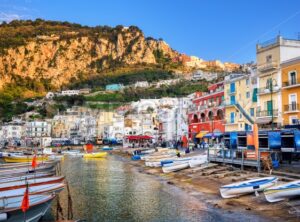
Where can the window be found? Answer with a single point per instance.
(252, 112)
(292, 102)
(247, 95)
(232, 114)
(293, 78)
(294, 120)
(268, 58)
(247, 82)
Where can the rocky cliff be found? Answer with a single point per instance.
(63, 52)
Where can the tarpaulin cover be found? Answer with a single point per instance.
(233, 140)
(297, 139)
(274, 140)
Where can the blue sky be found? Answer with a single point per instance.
(211, 29)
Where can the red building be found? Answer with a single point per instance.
(207, 113)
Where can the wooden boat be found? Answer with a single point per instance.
(95, 155)
(8, 166)
(172, 167)
(26, 176)
(10, 208)
(40, 189)
(282, 191)
(26, 170)
(246, 187)
(31, 182)
(22, 159)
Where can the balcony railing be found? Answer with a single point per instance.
(231, 91)
(264, 113)
(292, 82)
(266, 90)
(291, 107)
(268, 66)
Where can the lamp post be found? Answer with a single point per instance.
(270, 86)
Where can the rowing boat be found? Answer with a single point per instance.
(10, 208)
(246, 187)
(22, 159)
(175, 166)
(283, 191)
(95, 155)
(40, 189)
(31, 182)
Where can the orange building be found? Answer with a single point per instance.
(290, 75)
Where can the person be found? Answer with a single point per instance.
(177, 152)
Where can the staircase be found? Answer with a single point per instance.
(240, 108)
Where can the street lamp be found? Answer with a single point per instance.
(270, 84)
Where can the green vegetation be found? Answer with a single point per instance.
(124, 77)
(105, 106)
(180, 89)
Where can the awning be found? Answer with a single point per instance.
(264, 120)
(201, 134)
(210, 135)
(138, 137)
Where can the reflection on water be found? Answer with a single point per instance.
(111, 190)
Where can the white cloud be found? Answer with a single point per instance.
(7, 17)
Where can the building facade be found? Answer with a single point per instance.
(269, 56)
(290, 75)
(240, 91)
(207, 111)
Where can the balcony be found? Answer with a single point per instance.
(269, 66)
(290, 84)
(290, 108)
(267, 90)
(265, 113)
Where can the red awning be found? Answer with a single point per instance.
(138, 137)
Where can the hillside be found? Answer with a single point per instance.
(43, 55)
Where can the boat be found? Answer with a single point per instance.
(282, 191)
(26, 170)
(7, 166)
(95, 155)
(172, 167)
(40, 189)
(10, 208)
(73, 153)
(195, 162)
(31, 182)
(21, 159)
(107, 148)
(26, 176)
(246, 187)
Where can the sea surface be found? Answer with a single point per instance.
(110, 189)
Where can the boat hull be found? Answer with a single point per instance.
(283, 192)
(168, 168)
(247, 187)
(95, 155)
(23, 159)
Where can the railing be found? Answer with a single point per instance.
(291, 107)
(230, 91)
(268, 66)
(292, 82)
(263, 113)
(267, 90)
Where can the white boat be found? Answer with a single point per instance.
(246, 187)
(172, 167)
(10, 208)
(283, 191)
(26, 176)
(73, 153)
(195, 162)
(40, 189)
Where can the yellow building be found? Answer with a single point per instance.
(290, 91)
(269, 56)
(240, 101)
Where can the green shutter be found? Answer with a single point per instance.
(254, 96)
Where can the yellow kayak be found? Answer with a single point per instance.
(22, 159)
(95, 155)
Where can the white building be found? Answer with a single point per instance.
(70, 92)
(38, 129)
(115, 129)
(141, 84)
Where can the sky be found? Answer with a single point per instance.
(227, 30)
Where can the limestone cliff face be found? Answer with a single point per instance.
(60, 60)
